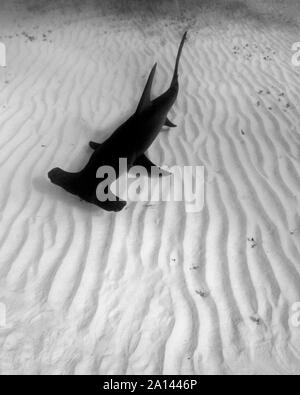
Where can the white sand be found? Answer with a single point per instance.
(92, 292)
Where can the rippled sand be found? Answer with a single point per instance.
(151, 290)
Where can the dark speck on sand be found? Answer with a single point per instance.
(203, 294)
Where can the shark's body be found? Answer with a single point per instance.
(130, 141)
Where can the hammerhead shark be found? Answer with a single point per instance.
(130, 141)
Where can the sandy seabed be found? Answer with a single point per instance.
(153, 289)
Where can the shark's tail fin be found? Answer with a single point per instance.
(175, 75)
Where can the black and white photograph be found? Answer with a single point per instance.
(149, 189)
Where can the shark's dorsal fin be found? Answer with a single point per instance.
(145, 99)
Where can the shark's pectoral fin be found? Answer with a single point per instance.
(94, 145)
(151, 168)
(170, 124)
